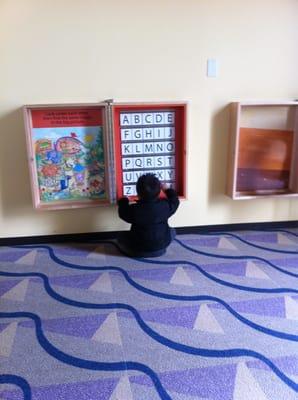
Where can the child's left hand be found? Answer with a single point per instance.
(123, 200)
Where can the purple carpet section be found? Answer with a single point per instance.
(160, 274)
(167, 338)
(288, 364)
(274, 307)
(74, 326)
(13, 255)
(287, 262)
(75, 250)
(202, 241)
(175, 316)
(6, 285)
(83, 281)
(260, 237)
(233, 268)
(101, 389)
(3, 326)
(194, 382)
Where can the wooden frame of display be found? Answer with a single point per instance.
(263, 150)
(68, 151)
(163, 140)
(75, 151)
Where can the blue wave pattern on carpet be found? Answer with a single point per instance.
(215, 318)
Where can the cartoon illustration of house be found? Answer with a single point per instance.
(43, 145)
(69, 145)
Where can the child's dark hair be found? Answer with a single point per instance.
(148, 187)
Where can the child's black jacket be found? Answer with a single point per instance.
(149, 230)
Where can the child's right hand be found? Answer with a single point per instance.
(164, 187)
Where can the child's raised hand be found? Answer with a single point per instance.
(164, 187)
(122, 201)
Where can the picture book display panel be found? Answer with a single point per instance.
(263, 148)
(150, 139)
(68, 155)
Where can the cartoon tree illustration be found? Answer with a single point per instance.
(95, 155)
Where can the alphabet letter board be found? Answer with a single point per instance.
(84, 155)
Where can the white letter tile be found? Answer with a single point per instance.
(148, 148)
(126, 149)
(127, 163)
(158, 118)
(136, 134)
(169, 174)
(136, 119)
(138, 163)
(148, 133)
(159, 133)
(159, 161)
(159, 147)
(169, 161)
(137, 174)
(128, 177)
(125, 119)
(147, 119)
(169, 132)
(160, 174)
(125, 134)
(128, 190)
(170, 118)
(137, 148)
(148, 162)
(169, 147)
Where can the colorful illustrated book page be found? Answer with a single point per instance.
(69, 152)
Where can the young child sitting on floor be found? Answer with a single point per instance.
(150, 233)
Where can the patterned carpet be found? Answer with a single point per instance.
(215, 318)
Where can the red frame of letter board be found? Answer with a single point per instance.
(179, 110)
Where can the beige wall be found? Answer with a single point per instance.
(133, 50)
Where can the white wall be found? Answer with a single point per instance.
(88, 50)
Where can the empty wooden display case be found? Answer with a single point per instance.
(263, 150)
